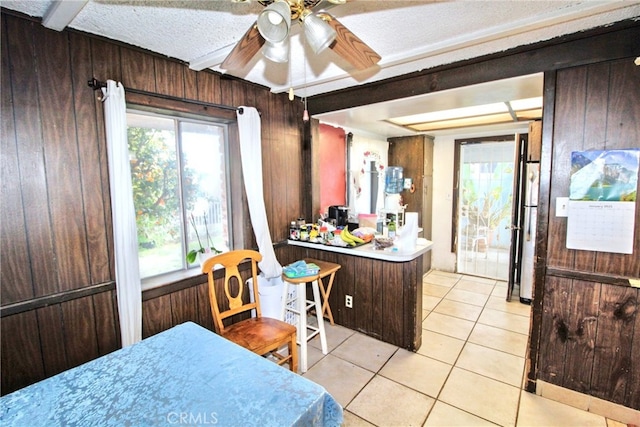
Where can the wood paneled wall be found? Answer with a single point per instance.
(589, 324)
(415, 154)
(58, 292)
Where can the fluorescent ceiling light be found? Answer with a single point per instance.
(476, 110)
(463, 122)
(526, 104)
(499, 112)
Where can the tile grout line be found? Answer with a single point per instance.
(466, 341)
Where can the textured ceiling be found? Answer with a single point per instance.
(409, 35)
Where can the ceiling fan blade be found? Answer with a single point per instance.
(351, 48)
(244, 50)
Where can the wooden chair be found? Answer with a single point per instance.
(262, 335)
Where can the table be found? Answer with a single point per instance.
(184, 375)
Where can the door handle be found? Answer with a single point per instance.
(512, 227)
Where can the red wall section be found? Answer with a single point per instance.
(333, 174)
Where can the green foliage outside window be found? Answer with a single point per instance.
(155, 186)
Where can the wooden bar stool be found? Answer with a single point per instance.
(326, 269)
(302, 305)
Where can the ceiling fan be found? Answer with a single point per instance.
(271, 33)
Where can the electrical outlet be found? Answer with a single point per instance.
(348, 301)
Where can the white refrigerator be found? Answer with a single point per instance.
(529, 233)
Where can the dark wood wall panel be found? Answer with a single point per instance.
(377, 290)
(569, 110)
(27, 117)
(138, 70)
(582, 327)
(21, 361)
(392, 277)
(613, 343)
(595, 110)
(184, 306)
(54, 353)
(555, 329)
(156, 315)
(363, 294)
(623, 131)
(169, 78)
(106, 322)
(588, 338)
(15, 276)
(58, 129)
(91, 164)
(80, 342)
(633, 388)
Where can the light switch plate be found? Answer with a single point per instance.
(562, 206)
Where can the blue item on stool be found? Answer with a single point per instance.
(301, 269)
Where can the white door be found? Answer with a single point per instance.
(486, 175)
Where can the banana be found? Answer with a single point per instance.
(353, 237)
(344, 235)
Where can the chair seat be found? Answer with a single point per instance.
(259, 334)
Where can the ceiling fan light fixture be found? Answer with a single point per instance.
(318, 33)
(274, 21)
(276, 52)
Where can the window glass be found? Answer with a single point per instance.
(179, 180)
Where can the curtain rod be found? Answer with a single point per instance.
(95, 84)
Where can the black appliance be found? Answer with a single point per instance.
(340, 214)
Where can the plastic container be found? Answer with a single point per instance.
(368, 220)
(300, 269)
(394, 180)
(270, 291)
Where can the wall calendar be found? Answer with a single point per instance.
(602, 200)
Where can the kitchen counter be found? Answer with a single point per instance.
(392, 254)
(383, 287)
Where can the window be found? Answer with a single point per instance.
(180, 188)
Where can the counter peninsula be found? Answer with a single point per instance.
(385, 286)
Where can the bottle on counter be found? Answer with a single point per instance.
(392, 229)
(304, 233)
(323, 234)
(294, 231)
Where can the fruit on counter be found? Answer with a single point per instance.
(337, 241)
(352, 237)
(344, 235)
(365, 233)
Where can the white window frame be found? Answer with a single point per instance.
(180, 117)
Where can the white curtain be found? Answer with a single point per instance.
(125, 234)
(251, 153)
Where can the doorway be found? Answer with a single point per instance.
(483, 205)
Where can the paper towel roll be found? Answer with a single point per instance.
(408, 235)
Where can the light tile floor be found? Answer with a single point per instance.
(468, 371)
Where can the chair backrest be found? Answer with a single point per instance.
(230, 261)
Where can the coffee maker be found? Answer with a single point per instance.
(340, 214)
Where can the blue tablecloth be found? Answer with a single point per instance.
(186, 375)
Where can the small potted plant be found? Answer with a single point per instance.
(201, 253)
